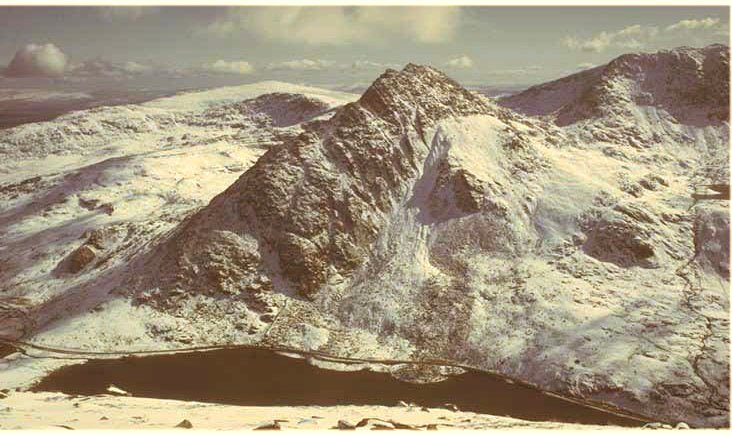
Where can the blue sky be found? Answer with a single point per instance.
(337, 45)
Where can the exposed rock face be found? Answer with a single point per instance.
(622, 235)
(711, 239)
(81, 258)
(691, 84)
(639, 99)
(99, 246)
(318, 202)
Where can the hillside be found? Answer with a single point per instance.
(641, 99)
(122, 176)
(423, 221)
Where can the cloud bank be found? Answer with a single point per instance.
(705, 23)
(228, 67)
(461, 62)
(639, 36)
(338, 25)
(371, 65)
(302, 65)
(36, 60)
(631, 37)
(586, 65)
(103, 68)
(523, 71)
(328, 65)
(47, 60)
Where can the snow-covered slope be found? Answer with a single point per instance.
(122, 176)
(38, 411)
(678, 96)
(196, 101)
(424, 221)
(149, 125)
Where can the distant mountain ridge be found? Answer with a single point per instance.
(692, 84)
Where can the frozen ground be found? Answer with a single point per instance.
(55, 411)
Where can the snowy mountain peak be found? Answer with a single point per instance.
(419, 88)
(319, 201)
(695, 62)
(689, 84)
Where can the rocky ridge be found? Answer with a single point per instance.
(639, 99)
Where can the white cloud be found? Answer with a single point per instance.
(638, 36)
(524, 71)
(136, 68)
(423, 24)
(370, 65)
(228, 67)
(103, 68)
(586, 65)
(704, 23)
(460, 62)
(125, 13)
(36, 60)
(322, 65)
(632, 37)
(339, 25)
(302, 65)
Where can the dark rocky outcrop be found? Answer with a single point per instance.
(312, 207)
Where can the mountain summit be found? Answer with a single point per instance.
(319, 201)
(641, 98)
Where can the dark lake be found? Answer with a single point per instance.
(264, 378)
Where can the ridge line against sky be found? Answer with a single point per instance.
(335, 46)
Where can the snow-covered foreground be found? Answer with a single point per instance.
(55, 411)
